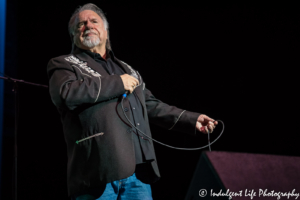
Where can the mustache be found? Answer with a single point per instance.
(89, 31)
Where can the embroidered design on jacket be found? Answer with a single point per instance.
(82, 65)
(134, 73)
(177, 119)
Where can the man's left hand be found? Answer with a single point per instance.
(205, 124)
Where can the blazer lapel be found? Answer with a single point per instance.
(90, 62)
(123, 66)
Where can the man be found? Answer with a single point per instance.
(108, 158)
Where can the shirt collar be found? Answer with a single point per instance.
(109, 54)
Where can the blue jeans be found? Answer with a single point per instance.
(125, 189)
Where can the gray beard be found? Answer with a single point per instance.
(91, 42)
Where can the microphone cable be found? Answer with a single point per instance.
(172, 147)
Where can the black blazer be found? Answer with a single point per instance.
(88, 99)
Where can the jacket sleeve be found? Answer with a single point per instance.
(71, 86)
(170, 117)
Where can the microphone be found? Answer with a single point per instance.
(125, 94)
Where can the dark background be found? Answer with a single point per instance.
(236, 62)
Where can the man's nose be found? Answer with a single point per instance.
(89, 25)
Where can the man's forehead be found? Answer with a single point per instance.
(88, 14)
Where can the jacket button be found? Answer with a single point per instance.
(129, 130)
(126, 109)
(81, 80)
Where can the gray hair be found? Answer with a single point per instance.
(96, 9)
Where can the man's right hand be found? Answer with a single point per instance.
(129, 82)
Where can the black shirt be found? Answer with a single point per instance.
(135, 108)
